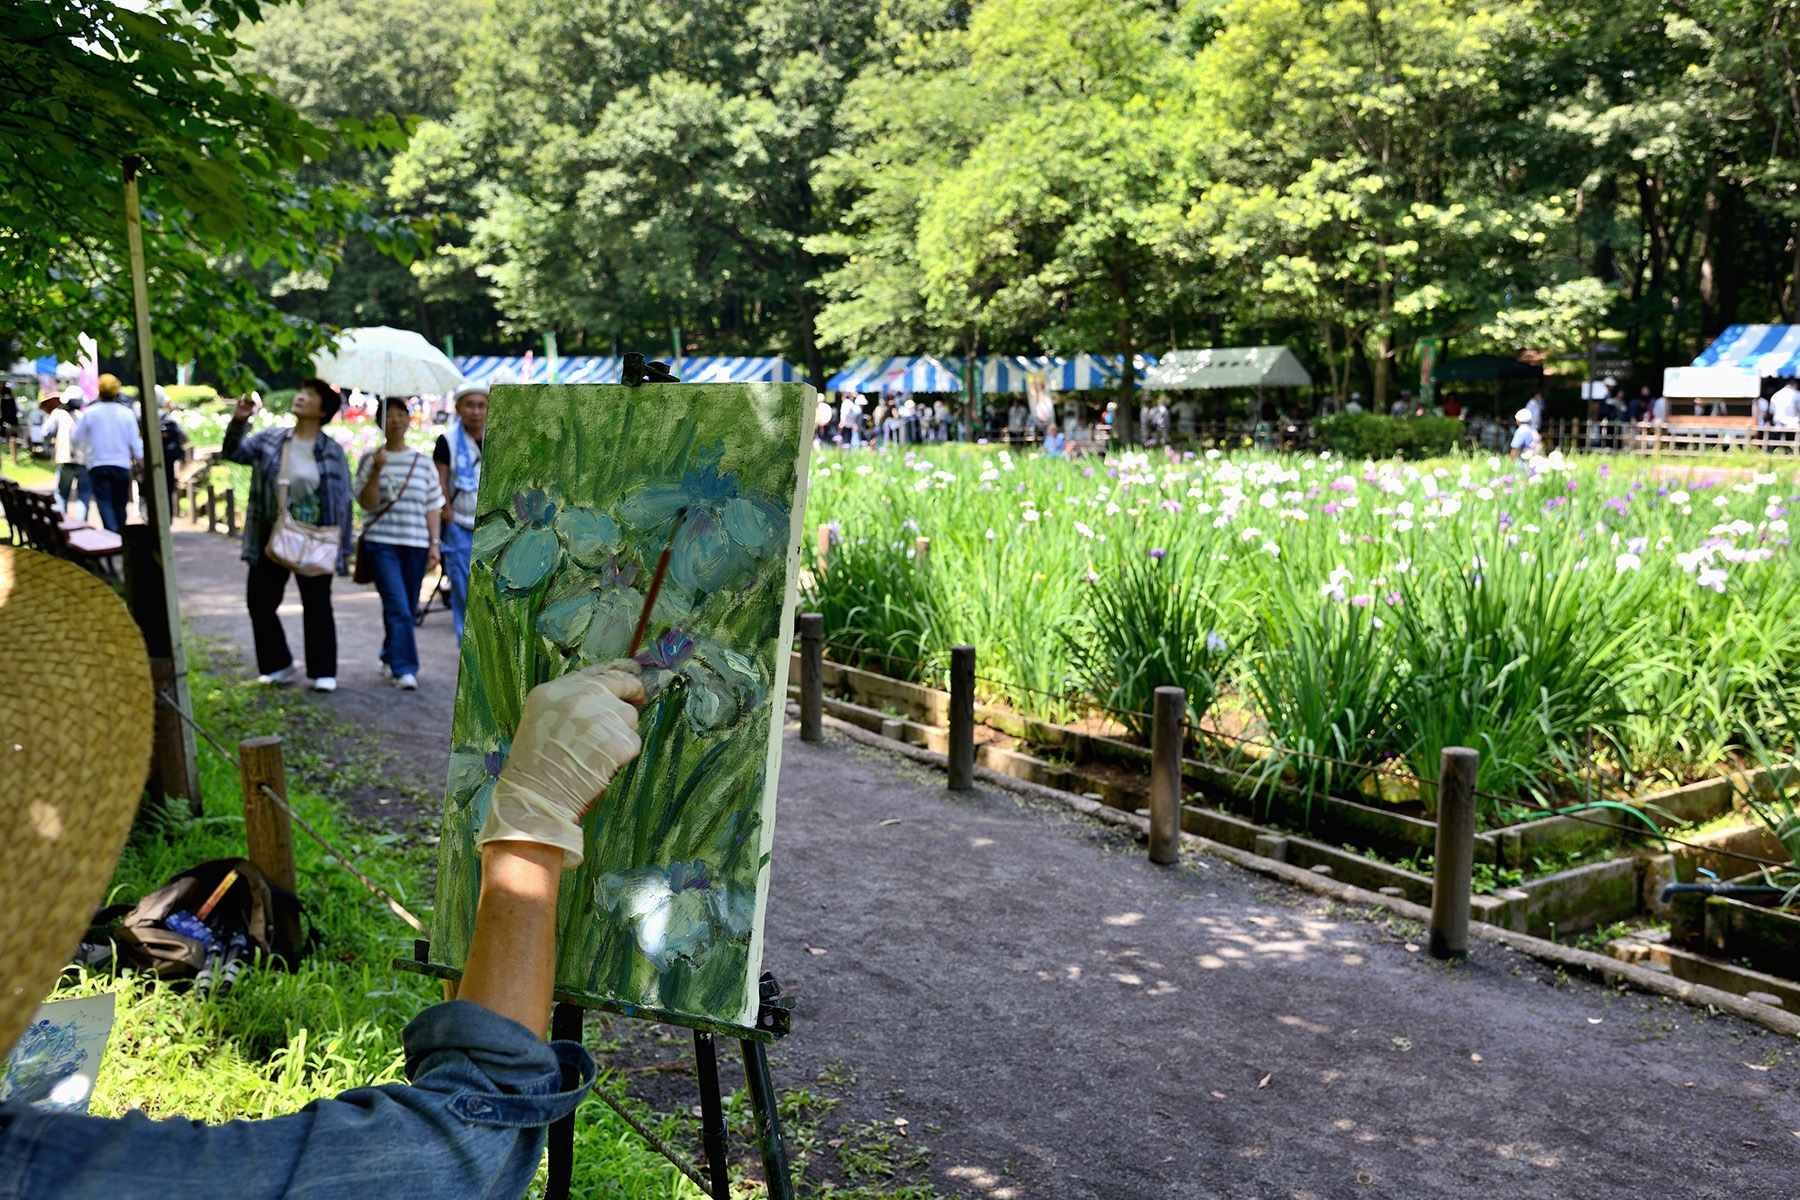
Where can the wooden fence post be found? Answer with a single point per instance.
(824, 546)
(922, 552)
(962, 719)
(1455, 862)
(812, 677)
(1165, 775)
(268, 832)
(231, 511)
(212, 510)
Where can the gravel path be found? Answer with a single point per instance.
(1054, 1017)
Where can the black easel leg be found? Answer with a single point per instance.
(768, 1122)
(712, 1114)
(565, 1026)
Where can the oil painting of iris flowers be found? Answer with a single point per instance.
(582, 489)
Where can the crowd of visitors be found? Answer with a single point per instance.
(417, 514)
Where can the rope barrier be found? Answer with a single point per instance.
(675, 1157)
(399, 909)
(1361, 768)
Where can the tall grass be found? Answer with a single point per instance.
(1148, 623)
(282, 1039)
(1570, 619)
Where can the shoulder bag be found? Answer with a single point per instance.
(359, 572)
(301, 548)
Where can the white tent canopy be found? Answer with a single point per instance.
(1235, 366)
(387, 362)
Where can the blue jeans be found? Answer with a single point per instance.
(471, 1124)
(112, 494)
(398, 571)
(457, 544)
(73, 486)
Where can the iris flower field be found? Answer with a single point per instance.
(1582, 622)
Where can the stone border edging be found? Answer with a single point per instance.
(1655, 983)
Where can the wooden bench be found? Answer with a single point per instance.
(33, 517)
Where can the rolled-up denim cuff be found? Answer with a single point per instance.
(523, 1111)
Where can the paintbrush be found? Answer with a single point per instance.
(662, 565)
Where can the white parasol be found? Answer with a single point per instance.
(387, 362)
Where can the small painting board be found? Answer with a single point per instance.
(56, 1060)
(582, 488)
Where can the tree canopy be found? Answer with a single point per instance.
(893, 176)
(97, 89)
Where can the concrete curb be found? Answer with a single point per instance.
(1599, 965)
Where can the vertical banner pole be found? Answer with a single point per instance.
(186, 781)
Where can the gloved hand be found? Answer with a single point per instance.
(575, 734)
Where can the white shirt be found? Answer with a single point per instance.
(62, 429)
(1759, 410)
(1784, 407)
(107, 435)
(1537, 411)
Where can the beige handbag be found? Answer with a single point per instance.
(301, 548)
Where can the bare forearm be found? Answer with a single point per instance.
(511, 968)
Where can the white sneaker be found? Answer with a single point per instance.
(407, 683)
(387, 672)
(325, 683)
(276, 678)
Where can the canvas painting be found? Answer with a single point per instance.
(582, 489)
(57, 1059)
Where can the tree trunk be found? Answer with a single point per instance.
(809, 342)
(1125, 423)
(1384, 347)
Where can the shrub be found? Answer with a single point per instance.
(191, 395)
(1368, 435)
(281, 400)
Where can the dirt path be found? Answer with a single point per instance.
(1053, 1017)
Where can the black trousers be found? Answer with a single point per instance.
(263, 592)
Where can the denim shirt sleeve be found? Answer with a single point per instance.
(471, 1124)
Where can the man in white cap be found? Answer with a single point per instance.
(458, 459)
(1525, 438)
(484, 1084)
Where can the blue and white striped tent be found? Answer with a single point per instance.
(607, 369)
(1000, 373)
(1772, 351)
(1003, 373)
(917, 373)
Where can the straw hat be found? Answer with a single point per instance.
(74, 748)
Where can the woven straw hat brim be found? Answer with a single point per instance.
(75, 730)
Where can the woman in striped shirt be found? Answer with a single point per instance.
(398, 489)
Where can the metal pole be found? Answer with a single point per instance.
(768, 1122)
(1455, 861)
(155, 484)
(565, 1026)
(962, 718)
(712, 1114)
(268, 833)
(1165, 775)
(812, 676)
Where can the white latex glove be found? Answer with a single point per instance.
(575, 734)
